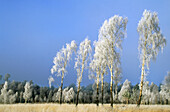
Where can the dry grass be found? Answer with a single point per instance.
(82, 108)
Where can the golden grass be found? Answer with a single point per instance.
(51, 107)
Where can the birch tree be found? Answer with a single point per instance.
(124, 94)
(56, 96)
(12, 97)
(21, 96)
(61, 60)
(165, 89)
(164, 94)
(167, 80)
(146, 93)
(117, 79)
(28, 92)
(151, 41)
(4, 93)
(112, 34)
(83, 55)
(135, 94)
(69, 95)
(154, 93)
(50, 79)
(65, 94)
(98, 66)
(7, 95)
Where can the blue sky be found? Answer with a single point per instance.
(32, 31)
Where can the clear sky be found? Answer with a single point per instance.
(32, 31)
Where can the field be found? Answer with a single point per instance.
(82, 108)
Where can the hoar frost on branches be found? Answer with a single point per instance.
(98, 66)
(146, 93)
(68, 94)
(165, 89)
(124, 94)
(56, 96)
(28, 92)
(61, 60)
(154, 93)
(112, 34)
(7, 96)
(167, 81)
(83, 55)
(4, 93)
(151, 41)
(50, 79)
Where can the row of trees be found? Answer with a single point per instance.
(20, 92)
(106, 57)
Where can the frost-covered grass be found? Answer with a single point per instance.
(82, 108)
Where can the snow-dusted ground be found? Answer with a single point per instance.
(82, 108)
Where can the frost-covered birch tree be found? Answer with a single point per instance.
(7, 95)
(21, 96)
(154, 93)
(151, 41)
(98, 66)
(64, 96)
(124, 94)
(61, 60)
(28, 92)
(56, 96)
(146, 93)
(165, 89)
(167, 80)
(135, 94)
(4, 93)
(112, 34)
(69, 95)
(12, 96)
(164, 94)
(117, 79)
(83, 55)
(50, 79)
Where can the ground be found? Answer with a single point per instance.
(82, 108)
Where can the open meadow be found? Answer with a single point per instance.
(82, 108)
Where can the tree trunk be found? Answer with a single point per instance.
(61, 90)
(141, 83)
(148, 101)
(97, 95)
(78, 89)
(142, 73)
(20, 100)
(65, 63)
(142, 77)
(102, 87)
(116, 92)
(111, 86)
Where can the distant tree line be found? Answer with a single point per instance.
(27, 92)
